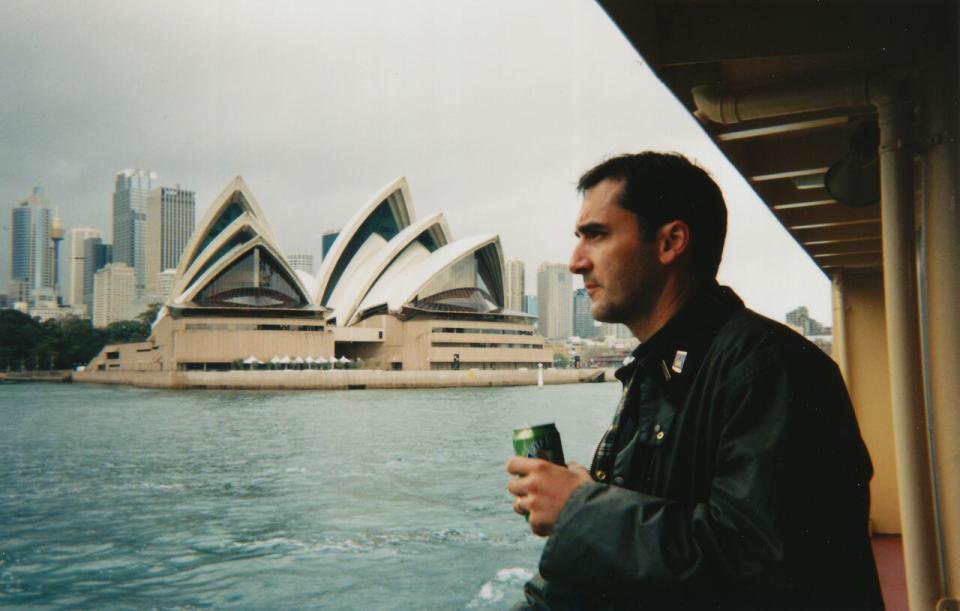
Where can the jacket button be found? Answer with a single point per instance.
(659, 435)
(618, 481)
(601, 475)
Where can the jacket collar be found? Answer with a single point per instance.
(680, 344)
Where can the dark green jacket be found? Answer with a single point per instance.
(738, 480)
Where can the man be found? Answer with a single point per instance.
(733, 475)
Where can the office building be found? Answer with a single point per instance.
(301, 261)
(47, 306)
(164, 282)
(132, 189)
(327, 238)
(615, 330)
(96, 256)
(530, 304)
(554, 302)
(31, 263)
(171, 214)
(800, 320)
(114, 291)
(514, 284)
(530, 307)
(76, 250)
(583, 323)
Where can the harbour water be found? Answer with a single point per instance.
(114, 497)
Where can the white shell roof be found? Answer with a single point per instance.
(188, 276)
(187, 283)
(398, 193)
(308, 280)
(403, 288)
(389, 259)
(220, 203)
(381, 272)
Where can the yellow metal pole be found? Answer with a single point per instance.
(839, 323)
(920, 543)
(942, 226)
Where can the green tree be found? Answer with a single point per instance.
(79, 342)
(47, 349)
(20, 336)
(150, 314)
(126, 331)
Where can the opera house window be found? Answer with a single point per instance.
(255, 280)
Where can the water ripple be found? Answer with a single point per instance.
(131, 498)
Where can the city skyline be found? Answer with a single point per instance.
(491, 113)
(172, 211)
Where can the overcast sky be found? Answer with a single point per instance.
(491, 110)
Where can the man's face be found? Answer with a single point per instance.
(620, 269)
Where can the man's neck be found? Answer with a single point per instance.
(673, 297)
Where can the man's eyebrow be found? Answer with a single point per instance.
(591, 227)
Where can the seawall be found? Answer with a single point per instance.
(340, 379)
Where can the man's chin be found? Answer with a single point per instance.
(604, 315)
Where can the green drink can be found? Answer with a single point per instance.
(541, 441)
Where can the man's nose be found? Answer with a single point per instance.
(579, 263)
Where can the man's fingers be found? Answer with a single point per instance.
(517, 486)
(519, 465)
(518, 506)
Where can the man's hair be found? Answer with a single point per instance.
(663, 187)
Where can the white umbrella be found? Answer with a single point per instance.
(309, 360)
(299, 360)
(285, 359)
(320, 359)
(275, 360)
(250, 360)
(344, 359)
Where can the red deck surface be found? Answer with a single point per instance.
(888, 552)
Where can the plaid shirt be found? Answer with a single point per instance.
(604, 455)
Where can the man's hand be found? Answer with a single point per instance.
(542, 489)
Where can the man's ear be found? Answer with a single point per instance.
(673, 239)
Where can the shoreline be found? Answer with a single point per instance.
(349, 379)
(62, 376)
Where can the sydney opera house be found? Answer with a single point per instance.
(397, 292)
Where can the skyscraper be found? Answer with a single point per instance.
(301, 261)
(583, 324)
(799, 318)
(530, 307)
(77, 237)
(171, 214)
(554, 300)
(326, 241)
(130, 221)
(165, 284)
(114, 290)
(514, 285)
(31, 263)
(96, 256)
